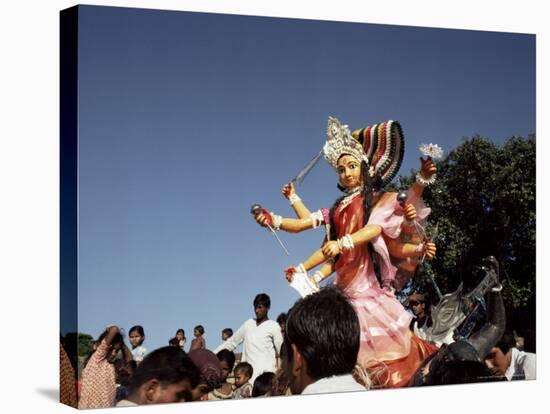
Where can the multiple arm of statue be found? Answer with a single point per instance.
(289, 225)
(402, 250)
(414, 248)
(332, 248)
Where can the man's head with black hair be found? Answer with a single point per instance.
(506, 342)
(262, 303)
(262, 299)
(165, 375)
(499, 357)
(321, 338)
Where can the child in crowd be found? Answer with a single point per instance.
(263, 385)
(180, 336)
(199, 342)
(98, 386)
(227, 361)
(174, 342)
(137, 336)
(226, 334)
(243, 372)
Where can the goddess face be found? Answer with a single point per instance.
(349, 171)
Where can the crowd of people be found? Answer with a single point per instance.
(115, 374)
(351, 334)
(314, 351)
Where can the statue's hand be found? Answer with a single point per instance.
(289, 273)
(263, 219)
(288, 190)
(430, 250)
(427, 167)
(331, 249)
(410, 212)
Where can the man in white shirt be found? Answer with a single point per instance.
(321, 343)
(261, 339)
(508, 361)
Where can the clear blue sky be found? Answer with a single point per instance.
(186, 119)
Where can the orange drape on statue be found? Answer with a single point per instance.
(397, 373)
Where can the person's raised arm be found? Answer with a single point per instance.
(111, 333)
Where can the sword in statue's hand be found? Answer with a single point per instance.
(309, 166)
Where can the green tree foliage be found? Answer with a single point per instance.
(84, 344)
(483, 203)
(78, 346)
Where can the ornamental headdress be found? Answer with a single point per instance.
(381, 146)
(384, 146)
(340, 142)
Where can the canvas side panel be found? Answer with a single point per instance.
(68, 200)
